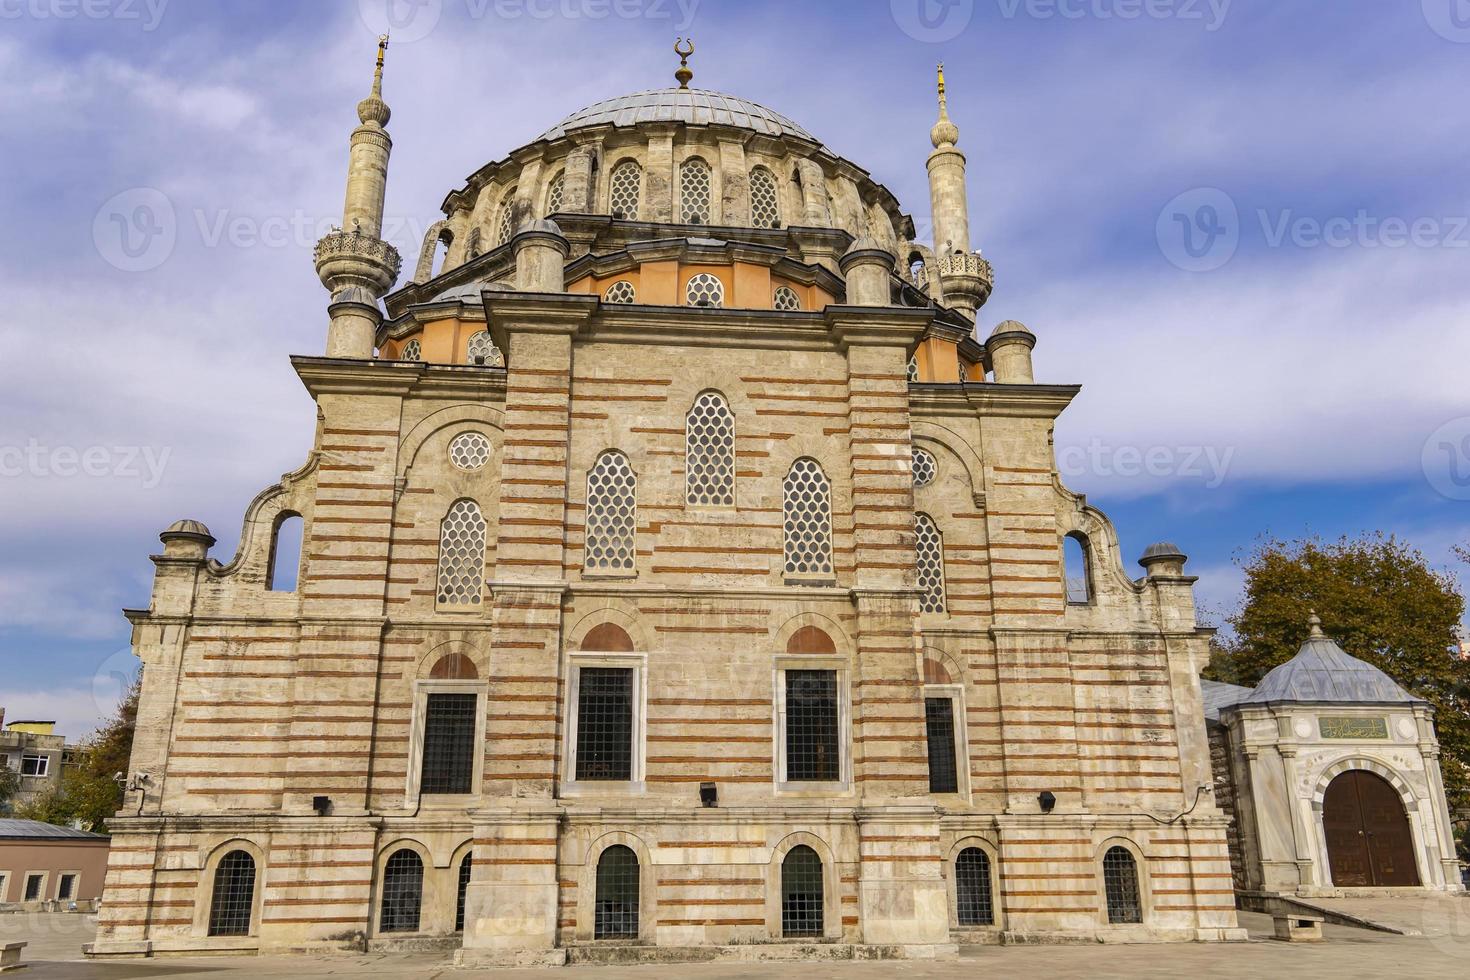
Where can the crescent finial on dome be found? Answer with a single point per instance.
(684, 74)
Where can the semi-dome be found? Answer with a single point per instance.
(693, 106)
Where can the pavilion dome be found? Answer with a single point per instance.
(1323, 672)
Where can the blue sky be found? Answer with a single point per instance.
(1240, 225)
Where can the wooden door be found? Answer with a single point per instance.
(1368, 838)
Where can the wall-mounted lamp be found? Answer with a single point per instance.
(1048, 801)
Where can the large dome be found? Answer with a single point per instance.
(699, 107)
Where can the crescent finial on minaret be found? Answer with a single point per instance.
(945, 133)
(684, 74)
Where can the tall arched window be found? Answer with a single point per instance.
(462, 555)
(403, 892)
(1077, 569)
(506, 224)
(1120, 882)
(973, 906)
(765, 211)
(807, 507)
(695, 190)
(625, 188)
(285, 556)
(615, 911)
(466, 866)
(554, 193)
(929, 556)
(801, 893)
(709, 458)
(482, 350)
(233, 902)
(612, 514)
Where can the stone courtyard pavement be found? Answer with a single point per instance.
(1443, 951)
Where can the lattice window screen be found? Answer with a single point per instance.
(913, 370)
(808, 513)
(412, 351)
(506, 224)
(765, 211)
(626, 183)
(482, 350)
(925, 468)
(612, 515)
(694, 192)
(469, 450)
(929, 548)
(786, 299)
(553, 194)
(621, 291)
(704, 290)
(709, 460)
(462, 555)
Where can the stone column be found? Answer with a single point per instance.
(869, 271)
(541, 254)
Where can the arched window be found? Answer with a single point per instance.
(462, 555)
(612, 514)
(448, 760)
(285, 556)
(1077, 569)
(1120, 882)
(929, 555)
(925, 468)
(626, 187)
(801, 893)
(615, 912)
(709, 459)
(465, 867)
(472, 244)
(704, 290)
(506, 224)
(694, 192)
(403, 892)
(233, 903)
(469, 450)
(554, 193)
(482, 350)
(807, 507)
(918, 272)
(785, 298)
(765, 211)
(411, 352)
(973, 906)
(913, 369)
(621, 291)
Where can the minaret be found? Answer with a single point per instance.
(964, 276)
(353, 262)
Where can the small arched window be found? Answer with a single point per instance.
(625, 189)
(765, 210)
(403, 892)
(918, 273)
(412, 351)
(621, 291)
(695, 188)
(785, 298)
(615, 912)
(285, 556)
(1077, 569)
(807, 507)
(232, 905)
(462, 555)
(925, 468)
(506, 224)
(929, 548)
(554, 193)
(709, 459)
(466, 866)
(1120, 882)
(801, 893)
(612, 514)
(482, 350)
(704, 290)
(973, 905)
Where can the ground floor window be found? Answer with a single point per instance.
(66, 888)
(403, 892)
(34, 884)
(973, 905)
(1120, 881)
(233, 901)
(615, 915)
(465, 866)
(801, 893)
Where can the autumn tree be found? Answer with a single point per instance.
(89, 793)
(9, 787)
(1382, 603)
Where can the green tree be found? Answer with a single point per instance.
(9, 786)
(89, 794)
(1380, 600)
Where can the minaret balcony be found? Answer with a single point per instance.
(967, 279)
(349, 258)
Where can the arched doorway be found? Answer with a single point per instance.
(1369, 843)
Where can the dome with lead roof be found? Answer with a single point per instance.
(692, 106)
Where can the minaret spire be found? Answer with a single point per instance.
(964, 277)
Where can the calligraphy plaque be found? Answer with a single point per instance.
(1353, 727)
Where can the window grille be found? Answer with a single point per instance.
(808, 513)
(605, 723)
(482, 350)
(694, 191)
(466, 866)
(506, 224)
(233, 901)
(925, 468)
(1120, 881)
(709, 461)
(704, 290)
(801, 893)
(462, 555)
(812, 750)
(626, 183)
(621, 291)
(929, 556)
(33, 887)
(449, 743)
(973, 904)
(939, 726)
(66, 889)
(411, 352)
(469, 450)
(786, 299)
(913, 370)
(765, 211)
(554, 193)
(615, 913)
(403, 892)
(612, 515)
